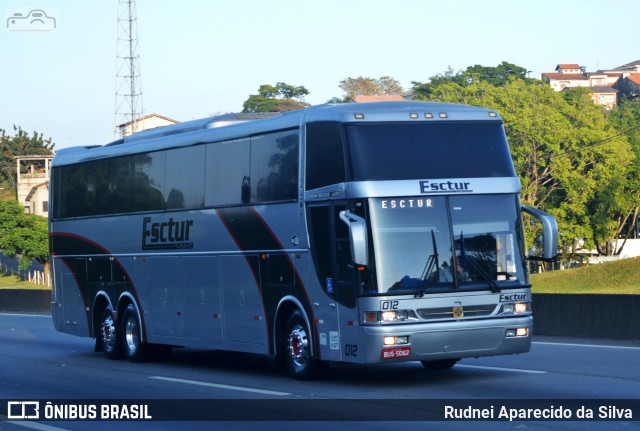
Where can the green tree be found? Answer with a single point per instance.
(564, 153)
(23, 235)
(19, 145)
(494, 75)
(360, 86)
(498, 75)
(279, 98)
(619, 203)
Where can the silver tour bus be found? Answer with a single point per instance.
(361, 233)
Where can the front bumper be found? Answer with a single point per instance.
(446, 340)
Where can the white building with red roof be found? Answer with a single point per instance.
(566, 76)
(605, 85)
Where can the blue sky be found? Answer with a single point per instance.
(200, 58)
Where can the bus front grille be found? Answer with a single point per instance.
(456, 312)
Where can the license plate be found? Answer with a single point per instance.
(396, 352)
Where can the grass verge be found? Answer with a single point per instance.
(13, 282)
(619, 277)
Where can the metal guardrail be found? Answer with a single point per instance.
(32, 276)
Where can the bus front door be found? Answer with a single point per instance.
(335, 308)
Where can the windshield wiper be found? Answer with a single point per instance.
(433, 263)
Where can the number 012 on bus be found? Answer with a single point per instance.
(362, 233)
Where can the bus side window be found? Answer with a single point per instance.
(228, 178)
(325, 155)
(274, 167)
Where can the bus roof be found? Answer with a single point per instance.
(235, 126)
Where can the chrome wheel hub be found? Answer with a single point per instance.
(131, 334)
(108, 332)
(298, 345)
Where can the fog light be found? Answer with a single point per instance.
(522, 332)
(402, 340)
(510, 333)
(390, 341)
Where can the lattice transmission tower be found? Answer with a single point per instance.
(128, 105)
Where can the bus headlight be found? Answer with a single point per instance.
(515, 308)
(395, 316)
(521, 307)
(517, 332)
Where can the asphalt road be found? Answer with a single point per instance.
(38, 363)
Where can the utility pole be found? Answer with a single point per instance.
(128, 104)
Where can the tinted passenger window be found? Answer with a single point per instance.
(227, 173)
(240, 172)
(185, 178)
(325, 156)
(147, 182)
(76, 191)
(274, 166)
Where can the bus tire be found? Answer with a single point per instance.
(442, 364)
(297, 350)
(134, 348)
(110, 335)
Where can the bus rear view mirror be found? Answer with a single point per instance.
(549, 234)
(357, 236)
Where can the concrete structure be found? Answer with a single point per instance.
(33, 183)
(630, 86)
(150, 121)
(605, 96)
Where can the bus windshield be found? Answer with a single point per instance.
(417, 250)
(399, 151)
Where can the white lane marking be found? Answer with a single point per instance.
(31, 425)
(220, 386)
(586, 345)
(514, 370)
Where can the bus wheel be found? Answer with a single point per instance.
(443, 364)
(134, 348)
(110, 335)
(297, 350)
